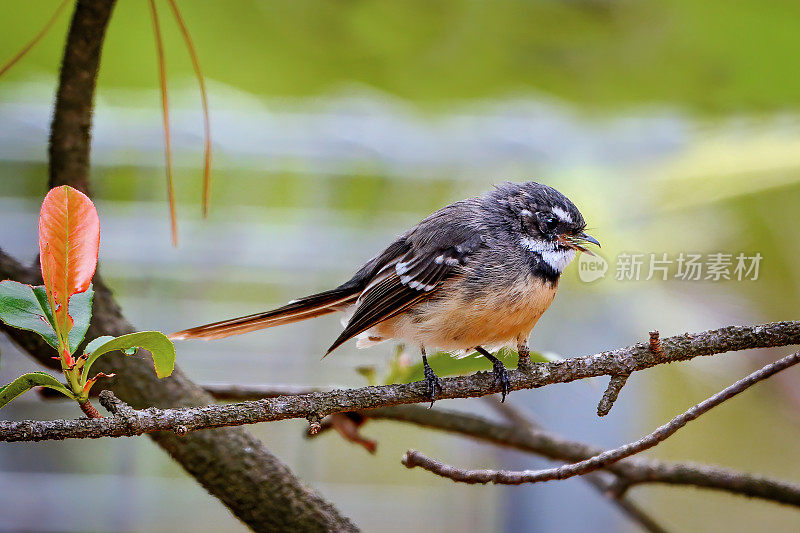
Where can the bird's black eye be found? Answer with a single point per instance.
(547, 222)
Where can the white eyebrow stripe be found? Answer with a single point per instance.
(563, 215)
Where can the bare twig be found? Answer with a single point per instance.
(514, 414)
(38, 37)
(634, 470)
(611, 394)
(204, 101)
(609, 489)
(412, 458)
(162, 78)
(630, 509)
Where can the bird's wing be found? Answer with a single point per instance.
(413, 275)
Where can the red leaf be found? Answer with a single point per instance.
(69, 241)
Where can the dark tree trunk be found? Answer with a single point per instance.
(230, 463)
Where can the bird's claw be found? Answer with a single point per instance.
(501, 379)
(433, 385)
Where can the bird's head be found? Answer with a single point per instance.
(547, 222)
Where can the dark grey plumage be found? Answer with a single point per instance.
(477, 272)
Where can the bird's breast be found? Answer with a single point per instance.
(457, 320)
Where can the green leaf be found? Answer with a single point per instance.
(80, 309)
(96, 343)
(26, 307)
(26, 382)
(153, 341)
(21, 308)
(445, 364)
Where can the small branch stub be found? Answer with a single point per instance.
(611, 394)
(655, 342)
(90, 410)
(115, 406)
(314, 424)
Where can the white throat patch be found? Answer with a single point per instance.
(557, 259)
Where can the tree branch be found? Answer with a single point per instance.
(521, 435)
(630, 509)
(610, 486)
(70, 131)
(319, 404)
(524, 435)
(413, 458)
(634, 470)
(611, 394)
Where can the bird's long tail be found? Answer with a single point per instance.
(308, 307)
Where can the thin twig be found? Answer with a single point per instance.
(630, 509)
(413, 458)
(608, 489)
(634, 470)
(162, 76)
(27, 48)
(204, 100)
(257, 391)
(514, 414)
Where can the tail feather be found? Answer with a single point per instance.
(302, 309)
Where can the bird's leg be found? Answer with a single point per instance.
(500, 373)
(432, 382)
(524, 363)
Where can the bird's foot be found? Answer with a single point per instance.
(433, 385)
(501, 378)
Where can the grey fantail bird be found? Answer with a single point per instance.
(475, 274)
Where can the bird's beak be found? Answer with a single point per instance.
(578, 242)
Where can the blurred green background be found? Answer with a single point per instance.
(674, 127)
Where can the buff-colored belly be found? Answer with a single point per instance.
(463, 323)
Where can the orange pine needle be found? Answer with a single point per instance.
(25, 49)
(204, 98)
(162, 70)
